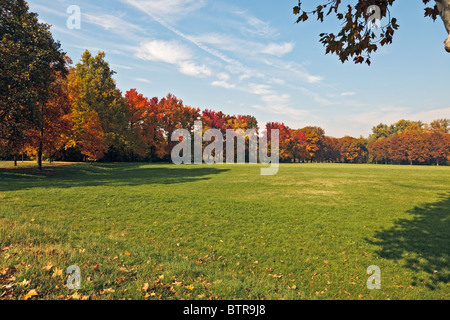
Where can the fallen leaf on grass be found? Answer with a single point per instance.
(24, 283)
(109, 290)
(75, 296)
(30, 294)
(7, 248)
(145, 287)
(151, 294)
(48, 267)
(57, 272)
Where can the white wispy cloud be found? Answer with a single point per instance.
(319, 97)
(278, 49)
(223, 84)
(257, 27)
(111, 22)
(280, 104)
(191, 68)
(167, 9)
(348, 94)
(223, 80)
(172, 52)
(260, 89)
(142, 80)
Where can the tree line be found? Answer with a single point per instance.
(52, 109)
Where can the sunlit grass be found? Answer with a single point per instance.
(225, 231)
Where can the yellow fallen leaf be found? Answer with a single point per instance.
(151, 294)
(190, 287)
(75, 296)
(57, 272)
(48, 267)
(31, 294)
(127, 253)
(145, 287)
(24, 283)
(109, 290)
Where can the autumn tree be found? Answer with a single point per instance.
(353, 150)
(176, 116)
(439, 146)
(52, 134)
(216, 120)
(242, 125)
(145, 119)
(330, 150)
(284, 133)
(29, 61)
(379, 150)
(357, 38)
(96, 100)
(314, 137)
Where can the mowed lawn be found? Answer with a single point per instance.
(160, 231)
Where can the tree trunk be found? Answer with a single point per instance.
(444, 11)
(15, 161)
(39, 152)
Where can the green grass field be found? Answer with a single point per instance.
(224, 231)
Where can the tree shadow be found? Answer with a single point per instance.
(423, 241)
(85, 175)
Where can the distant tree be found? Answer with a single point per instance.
(442, 125)
(353, 150)
(314, 137)
(284, 133)
(145, 125)
(176, 116)
(439, 146)
(379, 150)
(331, 150)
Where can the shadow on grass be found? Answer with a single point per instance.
(423, 241)
(84, 175)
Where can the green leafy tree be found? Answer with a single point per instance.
(30, 60)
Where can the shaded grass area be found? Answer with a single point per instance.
(224, 231)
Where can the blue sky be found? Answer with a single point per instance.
(249, 57)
